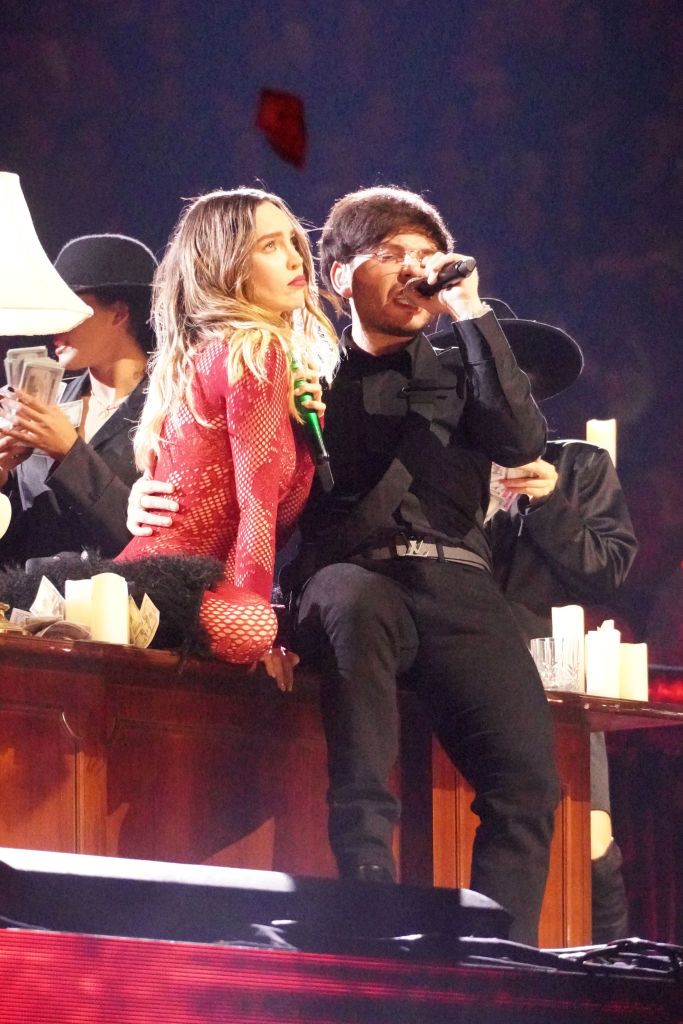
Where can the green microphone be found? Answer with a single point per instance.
(314, 436)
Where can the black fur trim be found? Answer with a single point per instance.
(175, 583)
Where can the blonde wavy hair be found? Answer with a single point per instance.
(201, 292)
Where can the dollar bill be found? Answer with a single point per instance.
(63, 630)
(143, 621)
(501, 497)
(4, 422)
(15, 359)
(31, 623)
(48, 602)
(73, 411)
(40, 378)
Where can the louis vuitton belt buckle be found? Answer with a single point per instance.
(412, 548)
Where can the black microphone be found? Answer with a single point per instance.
(447, 275)
(314, 435)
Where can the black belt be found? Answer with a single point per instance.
(410, 548)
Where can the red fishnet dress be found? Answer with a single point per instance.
(240, 483)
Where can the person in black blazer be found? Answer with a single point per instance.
(567, 538)
(69, 484)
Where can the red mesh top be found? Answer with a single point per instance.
(241, 476)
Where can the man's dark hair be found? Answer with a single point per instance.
(138, 302)
(360, 220)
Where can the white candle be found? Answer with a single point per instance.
(109, 608)
(602, 661)
(568, 623)
(633, 681)
(78, 600)
(5, 514)
(604, 434)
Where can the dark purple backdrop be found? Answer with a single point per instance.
(547, 131)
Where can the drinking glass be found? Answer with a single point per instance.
(557, 661)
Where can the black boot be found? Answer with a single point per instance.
(373, 873)
(609, 907)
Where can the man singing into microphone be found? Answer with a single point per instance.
(393, 578)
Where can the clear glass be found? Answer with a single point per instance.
(557, 661)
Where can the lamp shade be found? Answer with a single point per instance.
(33, 297)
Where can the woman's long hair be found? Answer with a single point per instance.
(201, 293)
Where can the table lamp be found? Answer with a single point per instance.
(33, 297)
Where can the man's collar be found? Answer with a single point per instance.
(417, 348)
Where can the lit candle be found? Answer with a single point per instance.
(604, 434)
(633, 683)
(568, 623)
(109, 608)
(78, 599)
(602, 660)
(5, 514)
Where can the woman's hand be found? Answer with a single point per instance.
(38, 425)
(308, 383)
(280, 663)
(538, 480)
(147, 495)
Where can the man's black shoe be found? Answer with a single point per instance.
(374, 873)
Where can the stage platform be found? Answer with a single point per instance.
(187, 943)
(62, 978)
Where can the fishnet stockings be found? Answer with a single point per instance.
(239, 624)
(241, 479)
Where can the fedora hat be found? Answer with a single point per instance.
(547, 354)
(93, 262)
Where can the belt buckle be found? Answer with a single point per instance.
(414, 549)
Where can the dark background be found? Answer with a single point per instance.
(547, 131)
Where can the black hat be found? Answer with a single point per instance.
(552, 359)
(93, 262)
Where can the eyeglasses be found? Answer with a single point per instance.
(396, 255)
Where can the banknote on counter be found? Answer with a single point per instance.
(58, 629)
(143, 622)
(48, 603)
(31, 623)
(64, 630)
(46, 617)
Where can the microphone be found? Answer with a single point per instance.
(314, 436)
(447, 275)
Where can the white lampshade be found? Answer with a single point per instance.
(33, 297)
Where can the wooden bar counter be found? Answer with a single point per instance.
(118, 751)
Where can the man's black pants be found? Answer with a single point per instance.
(447, 626)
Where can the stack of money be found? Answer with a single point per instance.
(32, 370)
(15, 358)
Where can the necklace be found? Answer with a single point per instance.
(105, 408)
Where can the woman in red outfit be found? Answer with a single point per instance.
(235, 306)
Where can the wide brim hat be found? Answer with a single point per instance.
(551, 357)
(96, 262)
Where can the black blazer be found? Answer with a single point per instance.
(574, 547)
(81, 501)
(442, 407)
